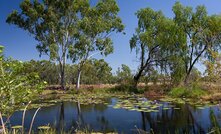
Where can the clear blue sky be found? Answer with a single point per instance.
(21, 45)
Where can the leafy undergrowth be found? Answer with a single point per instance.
(191, 95)
(187, 92)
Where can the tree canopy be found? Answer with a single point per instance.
(69, 28)
(202, 34)
(175, 45)
(151, 40)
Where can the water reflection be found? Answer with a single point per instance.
(98, 117)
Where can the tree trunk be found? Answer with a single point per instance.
(61, 117)
(80, 119)
(78, 79)
(186, 80)
(137, 78)
(143, 121)
(62, 82)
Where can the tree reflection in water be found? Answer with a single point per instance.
(98, 117)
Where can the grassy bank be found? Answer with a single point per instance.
(201, 92)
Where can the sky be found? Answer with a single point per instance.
(20, 45)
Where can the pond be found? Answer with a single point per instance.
(109, 118)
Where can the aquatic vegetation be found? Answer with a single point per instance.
(84, 97)
(174, 100)
(138, 104)
(17, 129)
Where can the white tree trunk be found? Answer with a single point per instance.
(78, 80)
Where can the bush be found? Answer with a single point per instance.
(187, 92)
(15, 87)
(197, 92)
(126, 88)
(178, 92)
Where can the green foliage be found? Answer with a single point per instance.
(152, 40)
(46, 70)
(69, 29)
(178, 92)
(15, 87)
(191, 92)
(124, 74)
(177, 70)
(53, 24)
(200, 33)
(213, 68)
(175, 45)
(97, 23)
(128, 88)
(96, 72)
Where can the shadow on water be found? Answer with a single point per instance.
(103, 118)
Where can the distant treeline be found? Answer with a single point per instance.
(95, 72)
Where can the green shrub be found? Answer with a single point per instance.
(126, 88)
(178, 92)
(16, 88)
(193, 91)
(197, 92)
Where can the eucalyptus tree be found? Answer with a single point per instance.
(151, 40)
(46, 70)
(201, 32)
(96, 72)
(124, 74)
(103, 71)
(96, 27)
(54, 24)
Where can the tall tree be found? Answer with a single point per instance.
(96, 26)
(46, 70)
(151, 40)
(53, 23)
(124, 74)
(202, 33)
(96, 72)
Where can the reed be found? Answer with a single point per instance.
(23, 116)
(33, 118)
(2, 122)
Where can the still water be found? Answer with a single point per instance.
(104, 118)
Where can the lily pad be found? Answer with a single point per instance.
(166, 108)
(43, 127)
(16, 127)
